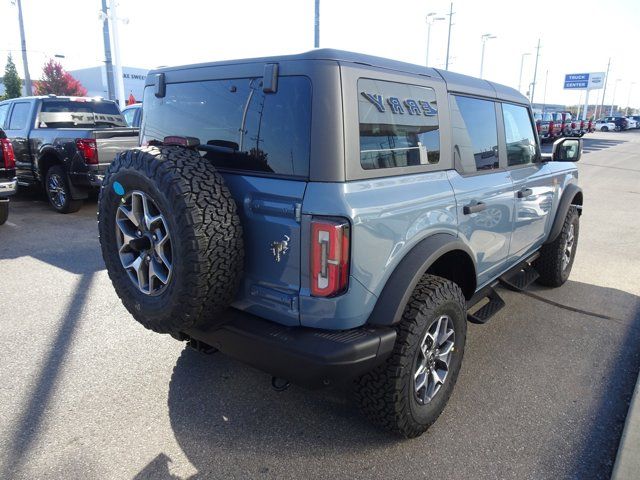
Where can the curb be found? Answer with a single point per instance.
(627, 463)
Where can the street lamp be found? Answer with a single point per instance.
(431, 17)
(521, 65)
(626, 109)
(613, 98)
(485, 37)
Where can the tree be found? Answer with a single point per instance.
(55, 80)
(11, 80)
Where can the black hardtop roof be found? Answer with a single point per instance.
(455, 81)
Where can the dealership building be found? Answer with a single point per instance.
(94, 79)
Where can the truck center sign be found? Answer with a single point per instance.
(582, 81)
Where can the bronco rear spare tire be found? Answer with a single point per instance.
(170, 236)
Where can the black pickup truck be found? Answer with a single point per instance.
(64, 144)
(8, 182)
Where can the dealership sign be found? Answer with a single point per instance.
(582, 81)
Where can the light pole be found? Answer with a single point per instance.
(23, 42)
(431, 17)
(626, 109)
(613, 98)
(521, 66)
(485, 37)
(316, 25)
(535, 73)
(446, 62)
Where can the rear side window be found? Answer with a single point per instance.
(19, 116)
(79, 113)
(398, 125)
(238, 126)
(475, 134)
(520, 137)
(4, 110)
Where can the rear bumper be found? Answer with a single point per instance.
(8, 187)
(305, 356)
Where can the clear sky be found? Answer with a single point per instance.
(576, 36)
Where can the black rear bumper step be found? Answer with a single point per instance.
(308, 357)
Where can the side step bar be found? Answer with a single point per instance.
(520, 278)
(489, 309)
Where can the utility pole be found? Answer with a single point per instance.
(108, 65)
(23, 42)
(521, 67)
(316, 26)
(604, 91)
(535, 73)
(544, 95)
(446, 64)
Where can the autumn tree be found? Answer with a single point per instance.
(55, 80)
(11, 80)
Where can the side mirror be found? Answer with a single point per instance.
(567, 150)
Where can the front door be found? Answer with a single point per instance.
(534, 182)
(18, 126)
(483, 189)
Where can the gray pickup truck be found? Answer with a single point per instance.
(64, 144)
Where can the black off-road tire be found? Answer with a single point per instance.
(386, 394)
(4, 212)
(205, 231)
(549, 264)
(69, 205)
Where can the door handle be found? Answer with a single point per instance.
(525, 192)
(474, 208)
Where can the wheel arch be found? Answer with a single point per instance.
(572, 196)
(47, 157)
(441, 254)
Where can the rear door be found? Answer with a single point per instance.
(19, 123)
(483, 188)
(534, 182)
(259, 141)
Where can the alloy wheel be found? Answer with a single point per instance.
(144, 243)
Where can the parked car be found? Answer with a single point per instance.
(133, 115)
(562, 122)
(604, 125)
(636, 118)
(8, 182)
(65, 144)
(334, 217)
(632, 123)
(545, 126)
(621, 123)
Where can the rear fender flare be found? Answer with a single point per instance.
(402, 282)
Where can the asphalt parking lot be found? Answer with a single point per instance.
(88, 393)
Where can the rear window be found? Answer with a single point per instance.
(398, 125)
(80, 113)
(238, 126)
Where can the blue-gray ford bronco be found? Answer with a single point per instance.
(334, 218)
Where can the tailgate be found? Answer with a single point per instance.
(112, 141)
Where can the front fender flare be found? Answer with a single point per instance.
(402, 282)
(567, 199)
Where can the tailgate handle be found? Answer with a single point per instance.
(525, 192)
(474, 208)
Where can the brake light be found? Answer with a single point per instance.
(88, 149)
(330, 240)
(8, 154)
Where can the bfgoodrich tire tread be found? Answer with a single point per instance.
(205, 231)
(549, 263)
(385, 394)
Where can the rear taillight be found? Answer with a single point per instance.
(88, 149)
(551, 125)
(330, 238)
(7, 154)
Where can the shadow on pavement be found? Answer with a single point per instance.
(29, 423)
(230, 423)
